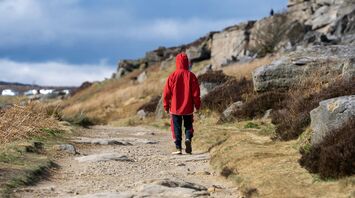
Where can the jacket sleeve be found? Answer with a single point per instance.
(196, 92)
(167, 94)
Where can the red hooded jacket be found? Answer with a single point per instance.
(181, 91)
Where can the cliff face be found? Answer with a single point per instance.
(321, 15)
(306, 22)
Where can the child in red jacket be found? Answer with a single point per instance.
(181, 95)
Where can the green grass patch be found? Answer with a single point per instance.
(251, 125)
(27, 176)
(81, 119)
(22, 164)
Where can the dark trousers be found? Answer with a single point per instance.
(176, 128)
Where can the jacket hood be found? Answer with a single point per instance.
(182, 61)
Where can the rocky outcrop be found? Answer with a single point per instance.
(320, 15)
(323, 62)
(276, 33)
(331, 114)
(230, 44)
(197, 51)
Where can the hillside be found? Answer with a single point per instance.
(21, 87)
(278, 100)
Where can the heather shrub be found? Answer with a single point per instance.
(292, 120)
(217, 77)
(151, 105)
(335, 156)
(227, 93)
(256, 105)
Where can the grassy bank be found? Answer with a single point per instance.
(28, 138)
(244, 153)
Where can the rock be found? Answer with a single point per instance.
(345, 24)
(141, 114)
(227, 114)
(36, 147)
(164, 65)
(170, 188)
(206, 87)
(231, 44)
(160, 111)
(321, 15)
(300, 9)
(210, 80)
(106, 195)
(191, 158)
(206, 69)
(267, 115)
(142, 77)
(145, 141)
(68, 148)
(103, 157)
(327, 62)
(199, 53)
(101, 141)
(127, 66)
(330, 115)
(277, 33)
(120, 73)
(202, 173)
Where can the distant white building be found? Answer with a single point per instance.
(66, 91)
(46, 91)
(31, 92)
(8, 92)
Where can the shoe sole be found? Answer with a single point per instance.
(176, 153)
(188, 148)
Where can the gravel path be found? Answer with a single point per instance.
(130, 162)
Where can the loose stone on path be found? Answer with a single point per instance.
(103, 157)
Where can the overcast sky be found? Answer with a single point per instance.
(66, 42)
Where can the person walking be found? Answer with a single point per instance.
(180, 97)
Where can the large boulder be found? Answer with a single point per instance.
(345, 25)
(210, 80)
(127, 66)
(230, 44)
(331, 114)
(227, 114)
(200, 49)
(162, 53)
(323, 62)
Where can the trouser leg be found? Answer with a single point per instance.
(188, 124)
(176, 123)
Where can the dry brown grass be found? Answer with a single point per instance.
(22, 122)
(112, 100)
(256, 162)
(240, 70)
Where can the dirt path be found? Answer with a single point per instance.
(130, 162)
